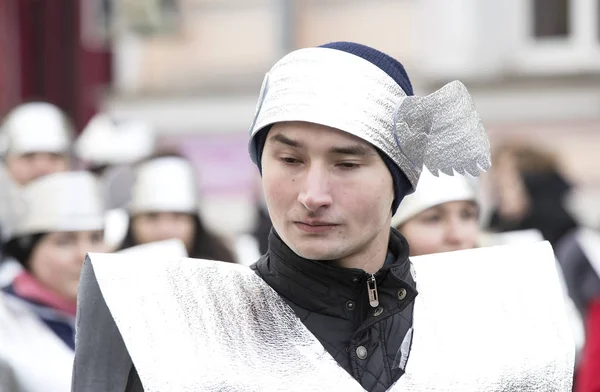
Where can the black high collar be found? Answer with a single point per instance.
(318, 286)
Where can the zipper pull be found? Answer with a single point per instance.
(372, 291)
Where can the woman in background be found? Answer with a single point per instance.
(62, 220)
(35, 140)
(442, 215)
(530, 192)
(164, 205)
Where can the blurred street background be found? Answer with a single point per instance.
(192, 69)
(125, 123)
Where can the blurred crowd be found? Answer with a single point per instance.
(113, 188)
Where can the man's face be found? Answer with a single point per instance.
(24, 168)
(329, 193)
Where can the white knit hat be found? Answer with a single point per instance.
(432, 191)
(165, 184)
(105, 142)
(35, 127)
(66, 201)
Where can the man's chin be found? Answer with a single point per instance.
(318, 248)
(314, 253)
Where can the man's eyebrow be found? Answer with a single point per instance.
(279, 138)
(355, 149)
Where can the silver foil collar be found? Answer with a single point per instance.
(195, 325)
(333, 88)
(488, 319)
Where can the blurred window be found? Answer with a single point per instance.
(97, 23)
(551, 18)
(152, 17)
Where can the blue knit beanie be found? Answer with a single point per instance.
(396, 71)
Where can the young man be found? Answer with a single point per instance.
(339, 139)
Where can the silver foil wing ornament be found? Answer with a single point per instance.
(443, 132)
(486, 320)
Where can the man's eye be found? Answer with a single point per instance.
(290, 160)
(348, 165)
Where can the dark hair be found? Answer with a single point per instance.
(21, 248)
(206, 245)
(529, 157)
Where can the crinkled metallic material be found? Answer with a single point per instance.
(488, 319)
(194, 325)
(333, 88)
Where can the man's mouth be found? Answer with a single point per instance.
(314, 227)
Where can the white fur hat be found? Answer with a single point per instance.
(67, 201)
(35, 127)
(165, 184)
(432, 191)
(105, 142)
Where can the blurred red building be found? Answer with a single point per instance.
(48, 52)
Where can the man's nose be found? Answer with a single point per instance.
(315, 193)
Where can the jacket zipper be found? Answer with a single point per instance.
(372, 291)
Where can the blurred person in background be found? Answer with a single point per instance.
(442, 215)
(530, 192)
(579, 256)
(61, 218)
(110, 149)
(588, 374)
(164, 205)
(106, 142)
(35, 140)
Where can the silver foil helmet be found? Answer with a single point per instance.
(441, 131)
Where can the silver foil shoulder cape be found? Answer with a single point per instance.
(485, 320)
(441, 131)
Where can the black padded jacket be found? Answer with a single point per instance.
(370, 341)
